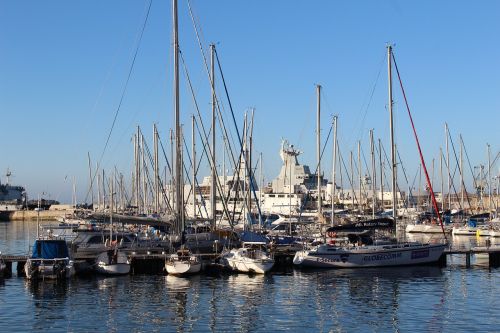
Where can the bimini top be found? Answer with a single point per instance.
(380, 223)
(50, 249)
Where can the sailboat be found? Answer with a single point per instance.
(251, 257)
(373, 253)
(182, 261)
(113, 261)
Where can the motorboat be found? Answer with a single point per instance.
(250, 258)
(183, 262)
(49, 260)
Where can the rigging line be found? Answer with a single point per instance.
(200, 45)
(124, 89)
(419, 149)
(205, 138)
(237, 131)
(460, 170)
(468, 162)
(371, 97)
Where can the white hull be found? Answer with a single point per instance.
(183, 263)
(424, 228)
(251, 265)
(49, 269)
(113, 262)
(326, 256)
(113, 269)
(464, 231)
(182, 267)
(248, 261)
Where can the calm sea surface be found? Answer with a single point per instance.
(414, 299)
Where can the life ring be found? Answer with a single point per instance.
(331, 234)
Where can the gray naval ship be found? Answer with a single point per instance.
(11, 197)
(294, 183)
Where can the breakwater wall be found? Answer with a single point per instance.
(22, 215)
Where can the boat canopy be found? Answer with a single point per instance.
(50, 249)
(249, 237)
(380, 223)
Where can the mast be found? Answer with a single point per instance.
(156, 170)
(111, 213)
(249, 160)
(144, 178)
(179, 213)
(98, 187)
(352, 182)
(489, 179)
(442, 178)
(391, 123)
(193, 153)
(91, 182)
(381, 172)
(172, 172)
(448, 165)
(374, 185)
(214, 171)
(318, 147)
(261, 189)
(360, 203)
(334, 161)
(461, 175)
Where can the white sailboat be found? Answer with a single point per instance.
(113, 261)
(250, 258)
(183, 262)
(381, 253)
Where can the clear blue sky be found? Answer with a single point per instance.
(63, 65)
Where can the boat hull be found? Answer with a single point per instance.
(370, 256)
(113, 262)
(250, 266)
(113, 269)
(49, 269)
(176, 267)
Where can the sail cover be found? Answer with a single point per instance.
(50, 249)
(380, 223)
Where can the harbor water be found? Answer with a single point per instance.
(408, 299)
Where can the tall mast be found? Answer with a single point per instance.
(489, 179)
(144, 178)
(179, 214)
(193, 154)
(391, 123)
(261, 189)
(111, 212)
(448, 165)
(249, 160)
(318, 146)
(334, 161)
(214, 171)
(461, 175)
(98, 187)
(360, 203)
(374, 185)
(91, 181)
(352, 182)
(381, 172)
(156, 171)
(442, 178)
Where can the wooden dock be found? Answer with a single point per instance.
(154, 263)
